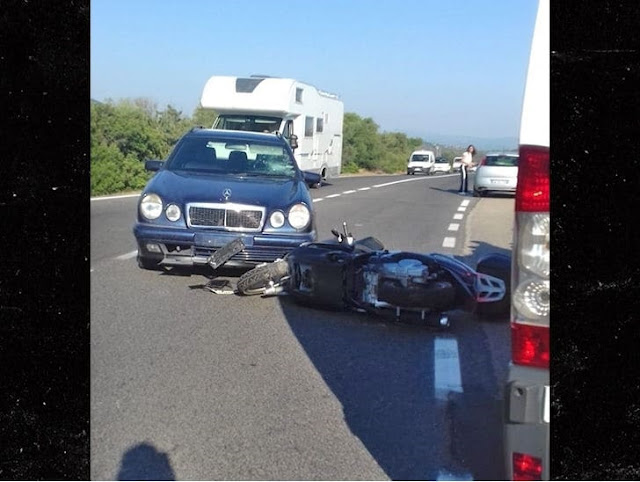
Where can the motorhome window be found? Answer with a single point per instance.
(248, 123)
(308, 127)
(319, 124)
(202, 155)
(299, 95)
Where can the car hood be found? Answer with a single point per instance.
(182, 188)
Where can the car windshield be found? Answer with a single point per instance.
(251, 123)
(233, 157)
(442, 161)
(506, 161)
(419, 157)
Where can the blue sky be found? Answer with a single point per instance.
(452, 67)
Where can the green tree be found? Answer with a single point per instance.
(203, 117)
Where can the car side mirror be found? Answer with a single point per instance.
(293, 142)
(153, 165)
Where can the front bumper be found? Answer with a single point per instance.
(183, 247)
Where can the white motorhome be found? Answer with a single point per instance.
(302, 114)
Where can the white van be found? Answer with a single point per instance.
(308, 118)
(422, 162)
(527, 391)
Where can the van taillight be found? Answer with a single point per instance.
(526, 467)
(533, 179)
(530, 345)
(530, 287)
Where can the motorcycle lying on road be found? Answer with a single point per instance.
(362, 275)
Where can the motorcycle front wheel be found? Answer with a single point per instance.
(263, 276)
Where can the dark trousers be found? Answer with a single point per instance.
(464, 179)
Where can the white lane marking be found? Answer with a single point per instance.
(91, 270)
(465, 202)
(364, 189)
(332, 195)
(458, 216)
(318, 200)
(449, 243)
(462, 208)
(106, 198)
(403, 180)
(454, 227)
(444, 474)
(128, 255)
(349, 192)
(447, 367)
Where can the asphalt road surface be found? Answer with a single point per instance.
(187, 384)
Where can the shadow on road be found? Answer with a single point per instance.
(145, 462)
(383, 375)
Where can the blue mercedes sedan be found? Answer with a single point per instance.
(218, 186)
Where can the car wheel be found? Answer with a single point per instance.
(149, 264)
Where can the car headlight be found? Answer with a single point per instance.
(299, 216)
(172, 212)
(277, 219)
(151, 206)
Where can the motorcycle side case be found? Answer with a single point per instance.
(318, 275)
(498, 265)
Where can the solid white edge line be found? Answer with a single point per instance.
(128, 255)
(106, 198)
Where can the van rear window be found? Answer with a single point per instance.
(420, 157)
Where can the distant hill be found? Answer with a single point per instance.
(481, 143)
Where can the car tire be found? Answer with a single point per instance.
(498, 265)
(148, 264)
(257, 280)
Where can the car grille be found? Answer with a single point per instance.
(250, 254)
(233, 217)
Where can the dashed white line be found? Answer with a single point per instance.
(444, 474)
(462, 208)
(349, 192)
(446, 366)
(317, 200)
(332, 195)
(364, 189)
(458, 216)
(465, 202)
(449, 243)
(454, 227)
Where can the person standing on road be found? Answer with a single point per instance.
(467, 162)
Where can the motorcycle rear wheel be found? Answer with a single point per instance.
(256, 281)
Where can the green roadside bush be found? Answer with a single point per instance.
(126, 133)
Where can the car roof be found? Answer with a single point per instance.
(247, 136)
